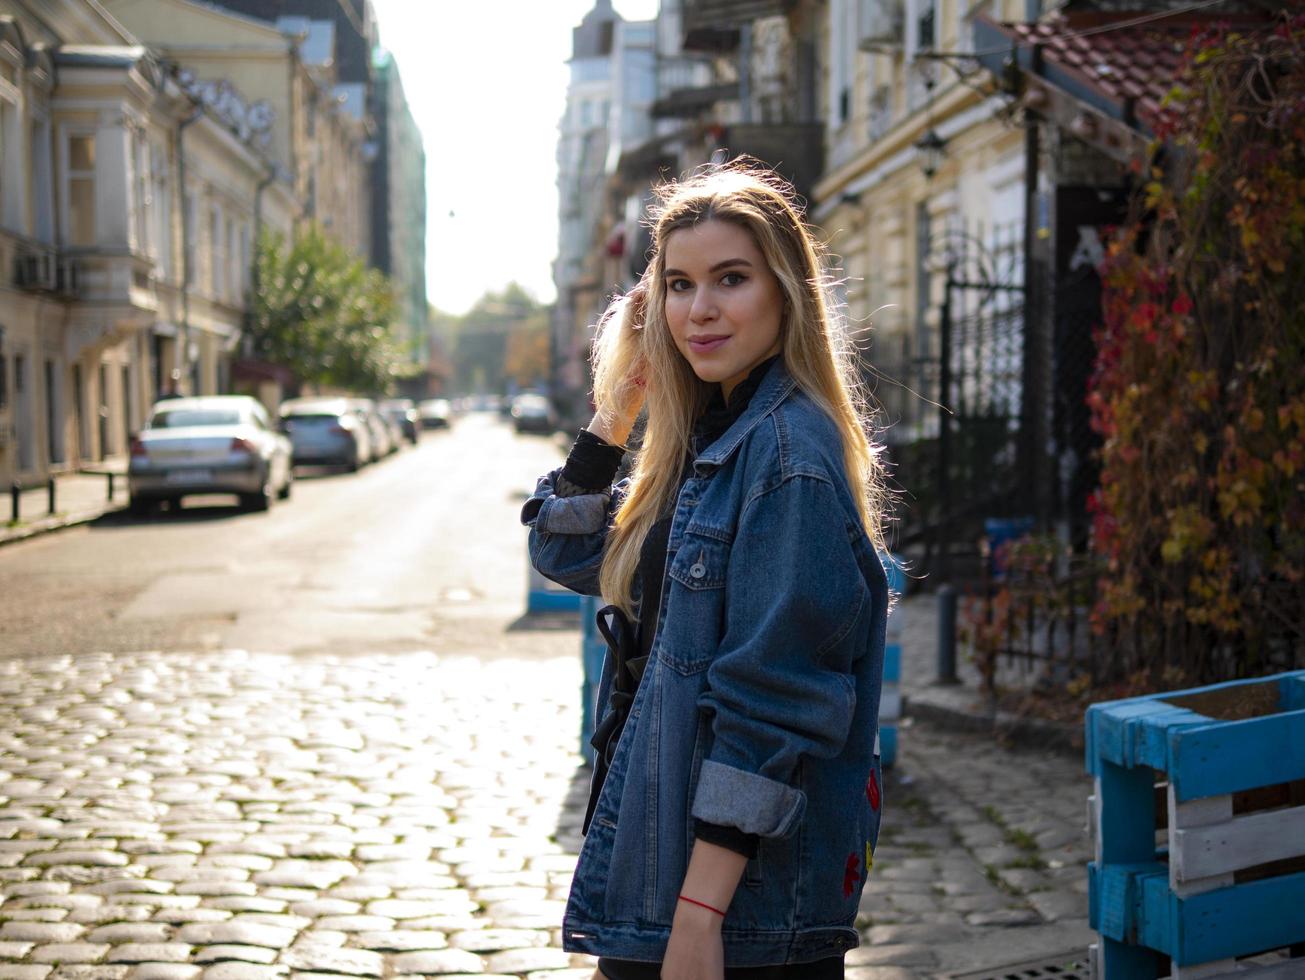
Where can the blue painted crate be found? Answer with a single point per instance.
(1191, 900)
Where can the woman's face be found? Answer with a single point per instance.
(723, 304)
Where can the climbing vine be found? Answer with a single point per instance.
(1199, 385)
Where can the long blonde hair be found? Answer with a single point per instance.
(634, 341)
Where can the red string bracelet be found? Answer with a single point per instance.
(709, 908)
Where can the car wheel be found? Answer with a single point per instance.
(141, 506)
(256, 501)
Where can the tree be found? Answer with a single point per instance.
(488, 346)
(322, 313)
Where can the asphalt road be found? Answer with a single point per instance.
(420, 551)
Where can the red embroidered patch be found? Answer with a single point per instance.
(851, 874)
(872, 790)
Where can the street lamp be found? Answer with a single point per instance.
(932, 148)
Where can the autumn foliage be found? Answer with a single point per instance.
(1199, 385)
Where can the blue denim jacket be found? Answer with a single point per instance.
(759, 705)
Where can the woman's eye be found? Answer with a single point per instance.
(733, 278)
(679, 285)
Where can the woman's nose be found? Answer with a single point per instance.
(703, 307)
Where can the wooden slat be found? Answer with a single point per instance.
(1196, 815)
(1267, 914)
(1242, 842)
(1226, 757)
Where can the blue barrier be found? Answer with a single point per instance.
(545, 596)
(890, 698)
(1222, 770)
(592, 652)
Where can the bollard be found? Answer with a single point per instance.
(946, 635)
(15, 502)
(109, 474)
(49, 495)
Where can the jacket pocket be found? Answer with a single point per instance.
(696, 586)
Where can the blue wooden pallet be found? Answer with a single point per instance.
(1182, 901)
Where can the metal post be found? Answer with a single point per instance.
(109, 474)
(944, 431)
(947, 635)
(15, 498)
(49, 494)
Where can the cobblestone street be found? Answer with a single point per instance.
(230, 816)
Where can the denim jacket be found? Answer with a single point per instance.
(759, 705)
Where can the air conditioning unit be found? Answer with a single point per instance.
(69, 278)
(880, 23)
(35, 270)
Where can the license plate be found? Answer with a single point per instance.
(190, 476)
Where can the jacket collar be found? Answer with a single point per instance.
(775, 387)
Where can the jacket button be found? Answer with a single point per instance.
(697, 570)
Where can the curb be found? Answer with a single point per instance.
(48, 524)
(959, 710)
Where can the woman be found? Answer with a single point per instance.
(736, 795)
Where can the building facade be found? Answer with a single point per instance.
(398, 213)
(127, 220)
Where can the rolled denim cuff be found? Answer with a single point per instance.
(751, 802)
(583, 514)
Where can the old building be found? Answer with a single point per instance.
(398, 214)
(128, 205)
(313, 127)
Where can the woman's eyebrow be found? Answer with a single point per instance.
(715, 268)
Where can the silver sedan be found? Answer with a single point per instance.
(214, 444)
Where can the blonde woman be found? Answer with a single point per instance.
(736, 796)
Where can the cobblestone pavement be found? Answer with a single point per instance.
(232, 816)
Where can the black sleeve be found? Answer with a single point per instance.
(728, 837)
(591, 466)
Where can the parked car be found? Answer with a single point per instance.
(403, 412)
(326, 431)
(436, 413)
(532, 413)
(382, 439)
(213, 444)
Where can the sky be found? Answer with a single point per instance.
(486, 84)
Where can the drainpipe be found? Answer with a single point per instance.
(181, 360)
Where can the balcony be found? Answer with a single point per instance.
(685, 103)
(795, 150)
(713, 25)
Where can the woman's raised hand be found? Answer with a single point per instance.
(622, 377)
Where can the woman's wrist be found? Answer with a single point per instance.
(606, 428)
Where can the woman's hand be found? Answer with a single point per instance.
(615, 417)
(695, 950)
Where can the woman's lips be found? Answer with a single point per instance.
(704, 345)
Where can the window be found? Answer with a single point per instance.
(217, 253)
(42, 181)
(842, 60)
(245, 259)
(142, 191)
(162, 216)
(234, 284)
(190, 236)
(81, 189)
